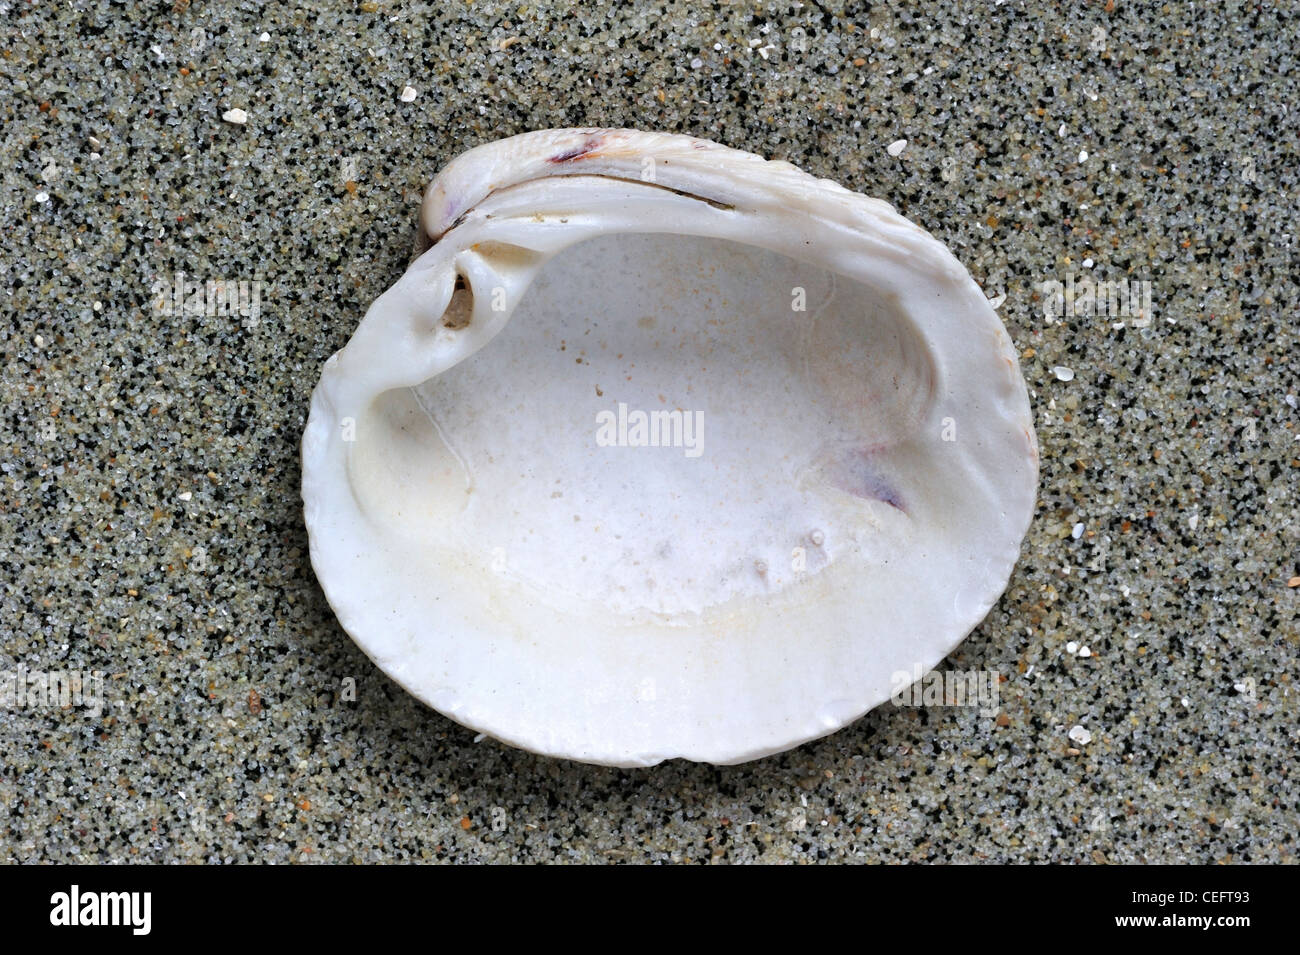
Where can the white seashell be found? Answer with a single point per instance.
(848, 462)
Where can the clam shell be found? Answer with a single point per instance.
(660, 449)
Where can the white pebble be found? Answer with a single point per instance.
(1083, 155)
(1063, 373)
(1077, 531)
(1085, 652)
(265, 38)
(1072, 648)
(896, 147)
(40, 341)
(408, 94)
(1087, 263)
(235, 116)
(696, 63)
(1080, 735)
(42, 197)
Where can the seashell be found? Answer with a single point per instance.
(660, 449)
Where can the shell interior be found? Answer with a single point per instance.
(624, 470)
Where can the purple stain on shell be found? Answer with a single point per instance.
(854, 472)
(577, 152)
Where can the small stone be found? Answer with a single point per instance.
(265, 38)
(1293, 582)
(896, 147)
(236, 116)
(1085, 652)
(1063, 374)
(1077, 531)
(185, 495)
(1080, 735)
(408, 94)
(42, 197)
(1072, 648)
